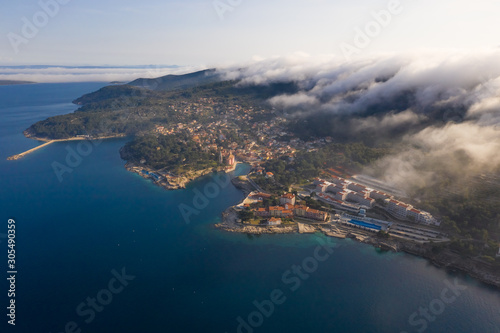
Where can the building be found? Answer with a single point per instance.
(290, 211)
(276, 211)
(340, 196)
(260, 196)
(414, 215)
(316, 215)
(418, 216)
(262, 212)
(231, 160)
(274, 221)
(398, 209)
(363, 200)
(356, 187)
(337, 180)
(380, 195)
(287, 198)
(322, 187)
(300, 210)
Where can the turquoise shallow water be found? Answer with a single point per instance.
(188, 277)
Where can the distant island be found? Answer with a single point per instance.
(12, 82)
(305, 177)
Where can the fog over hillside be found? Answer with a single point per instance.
(443, 110)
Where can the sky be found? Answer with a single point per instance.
(206, 33)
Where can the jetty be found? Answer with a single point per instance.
(48, 142)
(18, 156)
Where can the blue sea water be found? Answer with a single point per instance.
(189, 277)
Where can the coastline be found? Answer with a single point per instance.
(477, 269)
(168, 182)
(171, 182)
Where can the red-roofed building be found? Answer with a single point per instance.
(379, 195)
(300, 210)
(276, 211)
(287, 198)
(262, 212)
(398, 209)
(274, 221)
(316, 214)
(260, 196)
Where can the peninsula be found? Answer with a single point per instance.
(305, 177)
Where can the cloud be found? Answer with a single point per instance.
(444, 108)
(434, 81)
(389, 121)
(53, 74)
(292, 101)
(457, 150)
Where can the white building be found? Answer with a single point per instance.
(287, 198)
(356, 187)
(274, 221)
(380, 195)
(340, 196)
(398, 209)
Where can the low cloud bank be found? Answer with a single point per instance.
(447, 104)
(54, 74)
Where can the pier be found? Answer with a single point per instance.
(18, 156)
(48, 142)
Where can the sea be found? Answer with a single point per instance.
(99, 249)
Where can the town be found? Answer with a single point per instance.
(228, 131)
(266, 213)
(234, 133)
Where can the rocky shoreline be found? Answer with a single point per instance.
(447, 259)
(475, 268)
(243, 185)
(168, 183)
